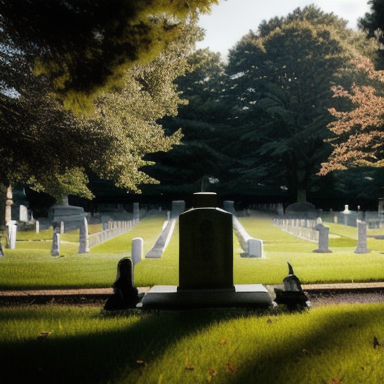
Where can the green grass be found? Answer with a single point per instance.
(30, 266)
(324, 345)
(342, 265)
(46, 234)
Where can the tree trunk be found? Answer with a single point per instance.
(3, 199)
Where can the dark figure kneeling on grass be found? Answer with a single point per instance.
(125, 293)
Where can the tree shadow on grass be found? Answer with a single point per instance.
(295, 360)
(108, 356)
(101, 357)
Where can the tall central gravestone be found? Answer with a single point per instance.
(205, 264)
(206, 246)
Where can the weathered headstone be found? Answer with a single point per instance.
(348, 217)
(205, 264)
(37, 226)
(137, 250)
(206, 246)
(361, 238)
(125, 293)
(23, 213)
(255, 248)
(83, 237)
(11, 234)
(323, 245)
(55, 250)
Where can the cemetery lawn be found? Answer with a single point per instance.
(68, 344)
(30, 265)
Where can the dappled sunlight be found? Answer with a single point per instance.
(271, 349)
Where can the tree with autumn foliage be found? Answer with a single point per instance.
(359, 132)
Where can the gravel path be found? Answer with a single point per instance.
(98, 297)
(332, 297)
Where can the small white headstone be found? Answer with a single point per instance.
(23, 213)
(323, 238)
(55, 250)
(11, 234)
(137, 250)
(83, 237)
(255, 248)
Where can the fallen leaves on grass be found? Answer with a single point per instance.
(189, 367)
(231, 368)
(43, 335)
(141, 363)
(335, 380)
(212, 373)
(223, 341)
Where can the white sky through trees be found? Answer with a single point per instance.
(232, 19)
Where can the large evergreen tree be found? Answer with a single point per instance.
(281, 78)
(198, 164)
(373, 25)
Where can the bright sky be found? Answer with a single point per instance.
(232, 19)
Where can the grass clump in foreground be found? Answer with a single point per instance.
(332, 344)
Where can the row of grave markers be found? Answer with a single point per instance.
(85, 241)
(317, 231)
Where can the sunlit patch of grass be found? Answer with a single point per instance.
(30, 266)
(342, 242)
(332, 344)
(305, 348)
(164, 271)
(149, 229)
(45, 234)
(342, 265)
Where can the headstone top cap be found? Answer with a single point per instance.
(204, 200)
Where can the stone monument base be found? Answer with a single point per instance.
(169, 297)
